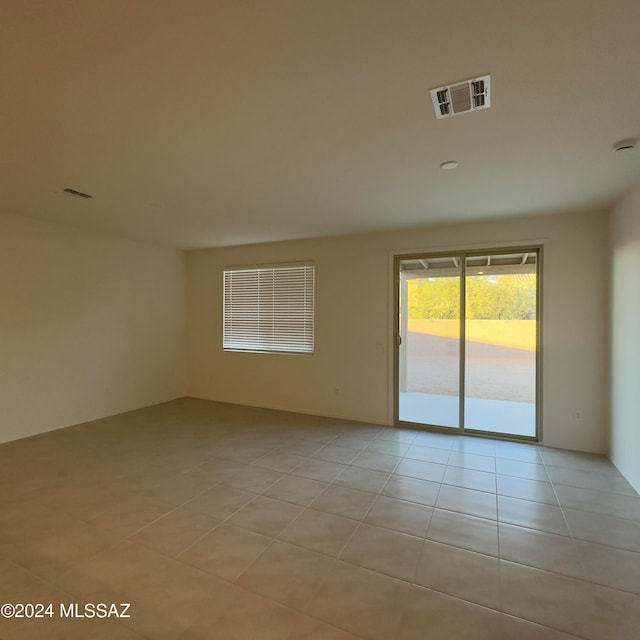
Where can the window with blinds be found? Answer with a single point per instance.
(269, 309)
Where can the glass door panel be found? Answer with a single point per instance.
(500, 344)
(429, 377)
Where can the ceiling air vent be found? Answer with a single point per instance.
(462, 97)
(75, 192)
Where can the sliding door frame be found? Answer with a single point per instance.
(398, 346)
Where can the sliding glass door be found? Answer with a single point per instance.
(430, 348)
(467, 356)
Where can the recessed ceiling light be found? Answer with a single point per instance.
(449, 164)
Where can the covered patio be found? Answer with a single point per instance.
(495, 416)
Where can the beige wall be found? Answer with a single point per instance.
(350, 377)
(625, 346)
(90, 326)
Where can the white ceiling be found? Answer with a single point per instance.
(199, 123)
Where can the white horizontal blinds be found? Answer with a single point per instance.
(269, 309)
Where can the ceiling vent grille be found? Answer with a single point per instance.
(462, 97)
(79, 194)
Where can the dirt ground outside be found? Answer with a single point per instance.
(492, 372)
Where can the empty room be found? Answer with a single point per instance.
(319, 320)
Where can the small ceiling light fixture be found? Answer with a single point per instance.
(79, 194)
(449, 164)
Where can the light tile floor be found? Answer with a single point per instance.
(227, 522)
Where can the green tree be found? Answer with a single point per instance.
(494, 297)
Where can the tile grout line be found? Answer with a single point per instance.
(555, 493)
